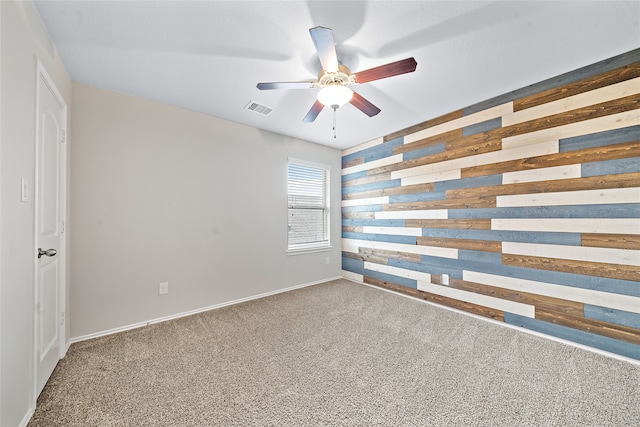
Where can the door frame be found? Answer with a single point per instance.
(43, 76)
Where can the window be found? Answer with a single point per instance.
(308, 206)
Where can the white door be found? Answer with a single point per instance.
(49, 214)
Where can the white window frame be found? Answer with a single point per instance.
(325, 243)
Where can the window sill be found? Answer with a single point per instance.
(308, 250)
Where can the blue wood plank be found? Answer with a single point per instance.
(611, 315)
(597, 341)
(373, 222)
(550, 238)
(479, 181)
(482, 127)
(353, 265)
(480, 256)
(554, 82)
(424, 152)
(600, 139)
(376, 152)
(351, 176)
(611, 167)
(604, 284)
(417, 197)
(621, 210)
(371, 186)
(390, 238)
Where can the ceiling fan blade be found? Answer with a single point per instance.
(313, 112)
(285, 85)
(388, 70)
(362, 104)
(325, 46)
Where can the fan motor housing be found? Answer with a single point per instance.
(341, 77)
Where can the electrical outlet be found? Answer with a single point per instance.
(327, 260)
(163, 288)
(445, 279)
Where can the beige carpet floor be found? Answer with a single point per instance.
(335, 354)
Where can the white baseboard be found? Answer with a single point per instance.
(27, 417)
(191, 312)
(507, 325)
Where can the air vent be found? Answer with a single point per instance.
(258, 108)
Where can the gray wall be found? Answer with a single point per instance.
(23, 38)
(162, 194)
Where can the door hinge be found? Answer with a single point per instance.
(62, 317)
(62, 227)
(63, 135)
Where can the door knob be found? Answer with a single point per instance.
(48, 252)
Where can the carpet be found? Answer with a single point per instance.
(335, 354)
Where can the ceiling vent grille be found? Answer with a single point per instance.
(258, 108)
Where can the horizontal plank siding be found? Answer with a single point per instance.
(524, 208)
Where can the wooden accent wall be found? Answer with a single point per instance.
(524, 208)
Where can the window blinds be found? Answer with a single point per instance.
(308, 206)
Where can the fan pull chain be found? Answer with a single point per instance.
(334, 121)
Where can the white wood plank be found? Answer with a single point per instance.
(580, 197)
(613, 121)
(384, 200)
(543, 148)
(480, 299)
(352, 276)
(394, 231)
(576, 253)
(471, 119)
(543, 174)
(396, 271)
(422, 214)
(593, 97)
(586, 296)
(352, 245)
(397, 158)
(431, 177)
(569, 225)
(363, 146)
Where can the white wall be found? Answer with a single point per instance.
(23, 37)
(163, 194)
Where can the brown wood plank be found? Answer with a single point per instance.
(618, 241)
(449, 302)
(458, 203)
(370, 178)
(610, 152)
(598, 269)
(611, 330)
(409, 189)
(548, 303)
(351, 229)
(472, 245)
(618, 75)
(446, 137)
(436, 279)
(631, 102)
(358, 215)
(354, 162)
(626, 180)
(381, 256)
(464, 148)
(425, 125)
(467, 224)
(351, 255)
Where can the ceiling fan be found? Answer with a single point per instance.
(334, 79)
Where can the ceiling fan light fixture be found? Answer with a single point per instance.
(335, 96)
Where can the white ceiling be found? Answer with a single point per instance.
(207, 56)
